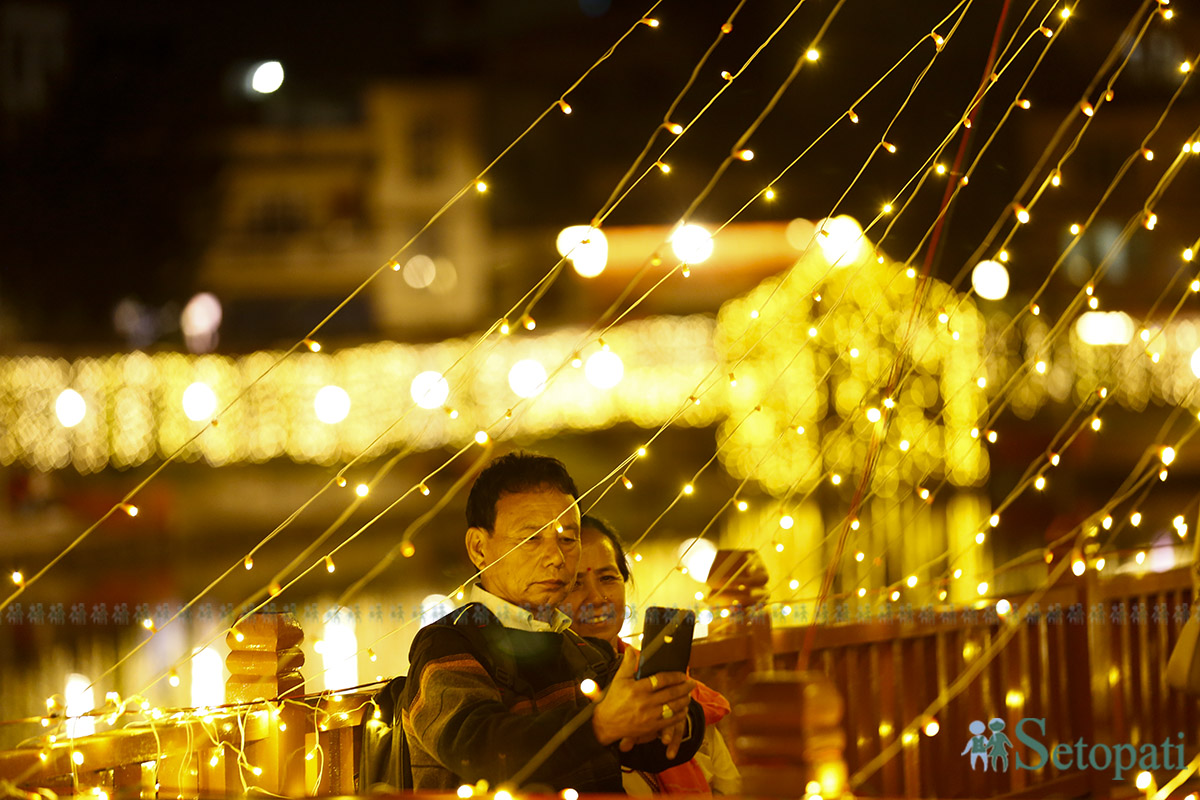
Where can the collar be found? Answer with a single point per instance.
(513, 616)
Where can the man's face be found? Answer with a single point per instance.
(540, 569)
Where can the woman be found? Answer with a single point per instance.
(597, 606)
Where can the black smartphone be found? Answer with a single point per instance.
(666, 640)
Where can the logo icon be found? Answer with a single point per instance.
(991, 751)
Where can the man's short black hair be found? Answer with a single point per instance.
(517, 471)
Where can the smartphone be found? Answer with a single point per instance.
(666, 640)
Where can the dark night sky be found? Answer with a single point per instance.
(110, 192)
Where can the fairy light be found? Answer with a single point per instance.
(957, 573)
(980, 537)
(895, 595)
(148, 624)
(859, 556)
(887, 208)
(481, 437)
(923, 493)
(852, 115)
(1142, 782)
(673, 127)
(688, 488)
(329, 565)
(129, 509)
(904, 445)
(1065, 13)
(505, 328)
(874, 415)
(1166, 455)
(1140, 558)
(862, 592)
(1022, 213)
(528, 322)
(769, 194)
(786, 522)
(313, 345)
(793, 584)
(1185, 67)
(408, 549)
(1024, 104)
(835, 479)
(1078, 567)
(362, 490)
(812, 54)
(641, 452)
(77, 758)
(481, 187)
(938, 40)
(1147, 154)
(1150, 221)
(17, 577)
(173, 679)
(1096, 423)
(1087, 108)
(1135, 518)
(1056, 178)
(628, 484)
(248, 562)
(854, 524)
(1003, 607)
(742, 505)
(940, 169)
(726, 75)
(982, 588)
(663, 167)
(744, 155)
(466, 790)
(564, 106)
(1189, 254)
(912, 581)
(650, 21)
(891, 148)
(779, 547)
(1039, 483)
(1162, 474)
(1054, 459)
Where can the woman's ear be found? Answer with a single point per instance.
(476, 541)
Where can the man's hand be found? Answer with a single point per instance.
(634, 711)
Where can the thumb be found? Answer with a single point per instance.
(629, 665)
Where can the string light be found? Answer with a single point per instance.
(481, 187)
(17, 577)
(744, 155)
(248, 562)
(129, 509)
(1135, 519)
(812, 54)
(674, 127)
(852, 115)
(312, 345)
(329, 565)
(891, 148)
(564, 106)
(362, 490)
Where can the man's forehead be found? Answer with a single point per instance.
(544, 503)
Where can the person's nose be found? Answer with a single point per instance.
(552, 552)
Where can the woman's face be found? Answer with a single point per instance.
(596, 603)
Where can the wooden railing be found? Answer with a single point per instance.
(1099, 680)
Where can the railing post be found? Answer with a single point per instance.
(264, 663)
(789, 735)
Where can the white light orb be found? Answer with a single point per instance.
(429, 389)
(692, 244)
(1196, 363)
(990, 280)
(841, 240)
(80, 700)
(332, 404)
(420, 271)
(604, 369)
(201, 316)
(698, 556)
(208, 680)
(1105, 328)
(266, 77)
(70, 408)
(527, 377)
(586, 248)
(199, 401)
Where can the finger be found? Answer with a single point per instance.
(661, 680)
(626, 745)
(675, 739)
(670, 694)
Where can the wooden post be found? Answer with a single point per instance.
(264, 663)
(789, 736)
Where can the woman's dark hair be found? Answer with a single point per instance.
(514, 472)
(597, 524)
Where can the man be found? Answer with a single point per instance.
(493, 683)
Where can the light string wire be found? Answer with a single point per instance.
(818, 326)
(341, 472)
(359, 531)
(296, 346)
(710, 524)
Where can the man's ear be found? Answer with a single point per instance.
(476, 543)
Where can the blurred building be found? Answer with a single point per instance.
(307, 210)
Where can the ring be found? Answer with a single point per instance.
(654, 681)
(667, 713)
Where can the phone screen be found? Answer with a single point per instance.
(666, 640)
